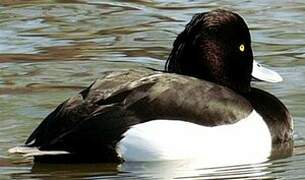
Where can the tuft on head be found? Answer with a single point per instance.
(209, 48)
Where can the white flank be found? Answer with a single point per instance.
(247, 141)
(33, 151)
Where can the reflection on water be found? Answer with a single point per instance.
(152, 170)
(157, 170)
(49, 50)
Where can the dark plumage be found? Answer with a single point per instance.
(209, 38)
(207, 83)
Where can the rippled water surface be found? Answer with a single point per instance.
(51, 49)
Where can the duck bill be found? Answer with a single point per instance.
(264, 74)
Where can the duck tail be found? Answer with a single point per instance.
(26, 151)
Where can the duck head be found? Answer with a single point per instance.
(216, 46)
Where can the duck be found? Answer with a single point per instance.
(201, 106)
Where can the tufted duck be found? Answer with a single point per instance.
(202, 106)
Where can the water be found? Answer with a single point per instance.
(49, 50)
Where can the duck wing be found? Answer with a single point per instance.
(109, 89)
(96, 119)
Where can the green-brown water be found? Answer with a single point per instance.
(50, 49)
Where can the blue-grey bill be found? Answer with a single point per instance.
(264, 74)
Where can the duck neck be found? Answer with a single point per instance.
(240, 85)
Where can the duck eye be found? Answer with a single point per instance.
(242, 47)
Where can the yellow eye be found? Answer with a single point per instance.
(242, 47)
